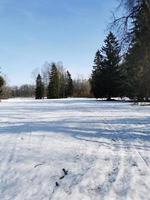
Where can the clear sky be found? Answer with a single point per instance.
(35, 31)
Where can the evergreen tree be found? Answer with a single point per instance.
(69, 85)
(39, 91)
(137, 60)
(2, 82)
(62, 82)
(135, 30)
(96, 76)
(53, 87)
(106, 75)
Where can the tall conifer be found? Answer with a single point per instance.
(39, 91)
(106, 75)
(53, 87)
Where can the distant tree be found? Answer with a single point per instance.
(39, 91)
(69, 85)
(96, 76)
(62, 80)
(26, 90)
(15, 91)
(81, 87)
(53, 87)
(106, 75)
(45, 73)
(2, 82)
(6, 93)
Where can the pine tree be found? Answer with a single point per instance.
(137, 60)
(69, 85)
(39, 91)
(96, 78)
(135, 31)
(2, 82)
(53, 87)
(106, 75)
(62, 82)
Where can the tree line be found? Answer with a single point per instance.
(25, 90)
(127, 74)
(55, 82)
(51, 76)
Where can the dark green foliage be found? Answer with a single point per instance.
(53, 87)
(39, 91)
(137, 60)
(106, 75)
(2, 82)
(96, 76)
(68, 85)
(60, 83)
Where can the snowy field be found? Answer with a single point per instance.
(74, 149)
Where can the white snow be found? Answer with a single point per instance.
(104, 148)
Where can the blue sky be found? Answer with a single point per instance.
(35, 31)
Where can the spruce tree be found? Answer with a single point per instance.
(39, 91)
(95, 78)
(135, 31)
(106, 75)
(137, 60)
(69, 85)
(53, 87)
(62, 82)
(2, 82)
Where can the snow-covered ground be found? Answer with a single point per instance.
(74, 149)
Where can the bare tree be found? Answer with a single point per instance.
(81, 87)
(45, 71)
(35, 73)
